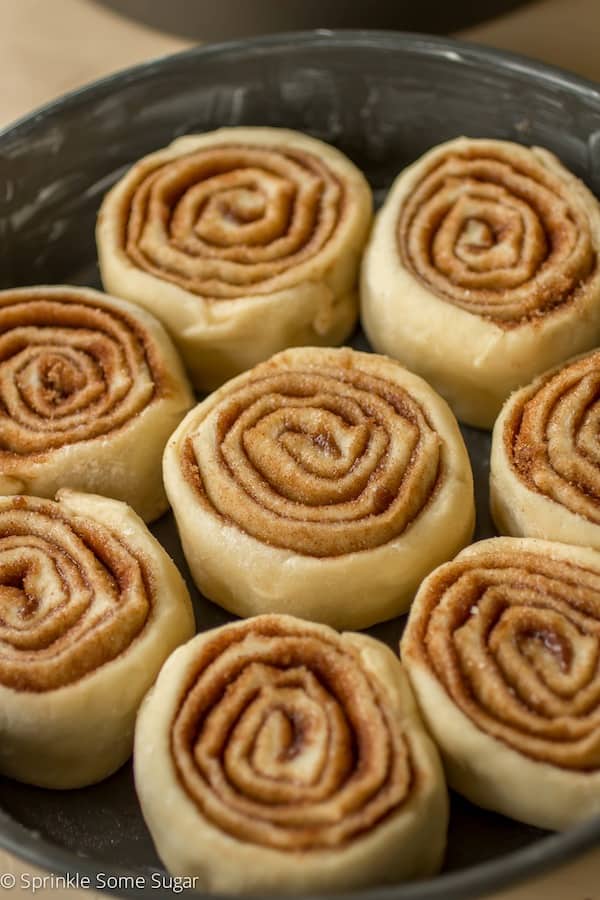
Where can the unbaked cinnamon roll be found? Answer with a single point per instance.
(90, 608)
(545, 466)
(90, 389)
(322, 483)
(274, 755)
(243, 241)
(502, 648)
(482, 271)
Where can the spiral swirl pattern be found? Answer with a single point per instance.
(283, 739)
(497, 229)
(73, 595)
(72, 368)
(319, 452)
(231, 220)
(551, 436)
(513, 635)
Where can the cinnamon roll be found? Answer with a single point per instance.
(545, 465)
(90, 389)
(90, 608)
(243, 241)
(322, 483)
(275, 755)
(502, 648)
(482, 271)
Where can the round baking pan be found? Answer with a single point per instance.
(383, 98)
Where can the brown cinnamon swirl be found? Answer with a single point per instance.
(90, 389)
(502, 648)
(243, 241)
(295, 755)
(323, 483)
(482, 271)
(90, 607)
(545, 467)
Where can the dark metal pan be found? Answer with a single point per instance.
(383, 98)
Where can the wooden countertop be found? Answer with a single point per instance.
(50, 46)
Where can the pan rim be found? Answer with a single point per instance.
(452, 49)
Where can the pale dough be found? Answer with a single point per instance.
(324, 484)
(91, 606)
(243, 241)
(287, 810)
(502, 648)
(91, 387)
(545, 463)
(482, 271)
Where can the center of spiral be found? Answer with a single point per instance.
(16, 602)
(291, 745)
(554, 644)
(281, 736)
(326, 443)
(59, 379)
(242, 206)
(476, 235)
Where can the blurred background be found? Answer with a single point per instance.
(210, 21)
(50, 46)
